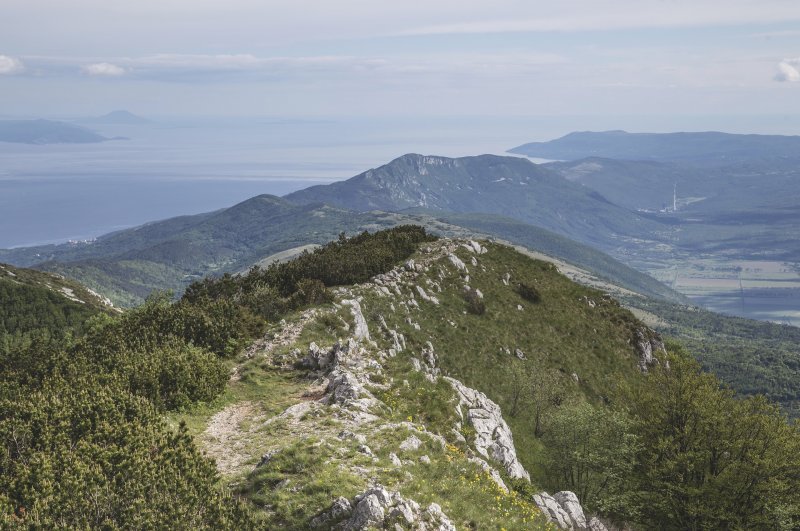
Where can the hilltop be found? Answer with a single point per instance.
(509, 186)
(120, 117)
(38, 306)
(46, 132)
(170, 254)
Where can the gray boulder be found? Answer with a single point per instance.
(565, 511)
(369, 512)
(382, 509)
(569, 502)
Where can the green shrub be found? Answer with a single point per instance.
(475, 304)
(82, 455)
(528, 293)
(283, 287)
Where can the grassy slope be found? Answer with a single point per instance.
(314, 465)
(535, 238)
(562, 332)
(128, 265)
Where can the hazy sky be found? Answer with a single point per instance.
(382, 57)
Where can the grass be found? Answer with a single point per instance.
(313, 466)
(464, 491)
(301, 481)
(562, 332)
(271, 390)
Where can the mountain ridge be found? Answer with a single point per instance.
(509, 186)
(708, 148)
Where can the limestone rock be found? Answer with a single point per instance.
(494, 474)
(361, 329)
(456, 261)
(346, 434)
(338, 510)
(266, 458)
(411, 444)
(569, 502)
(648, 343)
(424, 296)
(366, 450)
(564, 510)
(368, 512)
(596, 525)
(382, 509)
(343, 387)
(493, 437)
(317, 358)
(552, 510)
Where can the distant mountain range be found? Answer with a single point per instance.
(47, 132)
(129, 264)
(708, 148)
(120, 117)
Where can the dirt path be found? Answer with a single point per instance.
(225, 438)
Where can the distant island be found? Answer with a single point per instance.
(48, 132)
(120, 117)
(708, 147)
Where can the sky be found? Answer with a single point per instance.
(400, 58)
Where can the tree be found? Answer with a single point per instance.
(592, 451)
(546, 392)
(710, 460)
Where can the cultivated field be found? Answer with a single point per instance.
(757, 289)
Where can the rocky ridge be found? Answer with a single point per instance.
(347, 412)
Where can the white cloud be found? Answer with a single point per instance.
(103, 70)
(788, 70)
(10, 65)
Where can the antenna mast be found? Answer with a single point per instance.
(675, 198)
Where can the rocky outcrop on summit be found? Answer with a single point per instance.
(383, 509)
(493, 437)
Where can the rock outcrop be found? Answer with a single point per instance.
(493, 438)
(647, 343)
(380, 508)
(361, 330)
(564, 510)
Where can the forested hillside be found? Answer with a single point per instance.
(36, 306)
